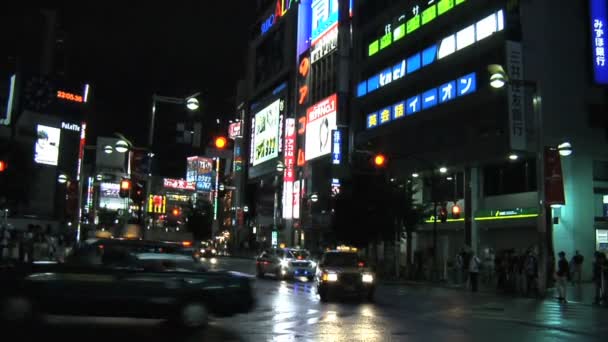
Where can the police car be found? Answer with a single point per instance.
(343, 272)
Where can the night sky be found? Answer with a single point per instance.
(177, 48)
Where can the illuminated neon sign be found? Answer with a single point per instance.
(325, 16)
(404, 24)
(281, 7)
(64, 95)
(462, 86)
(447, 46)
(493, 215)
(599, 19)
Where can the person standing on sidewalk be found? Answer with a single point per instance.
(577, 268)
(562, 277)
(474, 265)
(599, 277)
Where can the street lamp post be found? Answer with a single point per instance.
(498, 79)
(191, 102)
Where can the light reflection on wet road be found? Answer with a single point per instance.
(291, 311)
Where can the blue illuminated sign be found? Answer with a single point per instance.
(399, 70)
(467, 84)
(599, 19)
(447, 92)
(324, 17)
(444, 48)
(373, 83)
(413, 105)
(336, 147)
(386, 77)
(429, 55)
(429, 98)
(464, 85)
(413, 63)
(362, 89)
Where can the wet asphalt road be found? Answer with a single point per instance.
(291, 311)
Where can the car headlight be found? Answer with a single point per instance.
(213, 261)
(367, 278)
(329, 277)
(284, 263)
(313, 264)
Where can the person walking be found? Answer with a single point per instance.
(562, 274)
(577, 268)
(474, 265)
(600, 268)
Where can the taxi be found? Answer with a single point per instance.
(343, 272)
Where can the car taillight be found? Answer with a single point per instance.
(361, 264)
(299, 257)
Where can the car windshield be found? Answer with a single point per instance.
(341, 260)
(155, 262)
(298, 254)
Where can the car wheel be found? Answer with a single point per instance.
(15, 310)
(193, 315)
(370, 296)
(324, 296)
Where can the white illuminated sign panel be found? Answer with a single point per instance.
(321, 121)
(47, 145)
(266, 133)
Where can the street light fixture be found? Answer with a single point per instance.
(192, 103)
(564, 149)
(121, 146)
(498, 76)
(443, 169)
(415, 175)
(108, 149)
(513, 157)
(62, 179)
(314, 198)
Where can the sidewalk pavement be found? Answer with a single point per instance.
(576, 294)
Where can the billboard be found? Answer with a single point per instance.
(199, 170)
(325, 16)
(266, 134)
(178, 184)
(234, 130)
(599, 17)
(47, 145)
(321, 121)
(290, 163)
(109, 196)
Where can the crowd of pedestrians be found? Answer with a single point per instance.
(37, 243)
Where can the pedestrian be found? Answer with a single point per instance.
(474, 266)
(577, 268)
(599, 277)
(562, 277)
(531, 270)
(458, 267)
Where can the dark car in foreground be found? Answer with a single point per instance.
(342, 272)
(114, 278)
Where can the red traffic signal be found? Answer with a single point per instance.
(456, 211)
(3, 166)
(175, 212)
(379, 160)
(221, 142)
(125, 188)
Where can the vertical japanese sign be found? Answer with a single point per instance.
(599, 16)
(336, 147)
(517, 123)
(296, 199)
(554, 181)
(290, 162)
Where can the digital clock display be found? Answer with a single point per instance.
(64, 95)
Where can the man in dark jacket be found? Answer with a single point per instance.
(562, 277)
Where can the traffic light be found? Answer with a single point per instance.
(379, 160)
(3, 166)
(175, 212)
(455, 211)
(221, 142)
(137, 193)
(443, 214)
(125, 188)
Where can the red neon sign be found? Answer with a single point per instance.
(64, 95)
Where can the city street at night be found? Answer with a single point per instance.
(291, 311)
